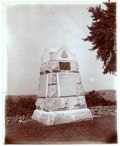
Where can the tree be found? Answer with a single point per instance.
(103, 36)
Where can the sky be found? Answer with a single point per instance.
(29, 28)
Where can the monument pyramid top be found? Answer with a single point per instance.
(61, 54)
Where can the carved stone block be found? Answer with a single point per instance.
(80, 90)
(77, 67)
(58, 104)
(40, 103)
(60, 117)
(45, 66)
(73, 66)
(52, 78)
(78, 78)
(48, 105)
(77, 103)
(42, 86)
(54, 65)
(52, 91)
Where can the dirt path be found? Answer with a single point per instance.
(100, 130)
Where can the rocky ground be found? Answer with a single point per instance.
(96, 111)
(10, 121)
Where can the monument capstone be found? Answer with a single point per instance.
(60, 94)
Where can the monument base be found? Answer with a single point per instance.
(60, 117)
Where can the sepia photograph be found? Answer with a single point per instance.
(59, 72)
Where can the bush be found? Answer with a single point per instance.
(21, 106)
(89, 103)
(94, 98)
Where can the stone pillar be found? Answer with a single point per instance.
(61, 95)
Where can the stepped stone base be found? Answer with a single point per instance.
(60, 117)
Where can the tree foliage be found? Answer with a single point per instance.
(103, 35)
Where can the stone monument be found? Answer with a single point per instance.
(60, 94)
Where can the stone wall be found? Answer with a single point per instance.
(98, 111)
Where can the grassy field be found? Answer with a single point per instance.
(100, 130)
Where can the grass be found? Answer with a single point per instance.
(99, 130)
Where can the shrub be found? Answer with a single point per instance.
(89, 103)
(21, 106)
(93, 98)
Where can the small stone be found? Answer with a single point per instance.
(114, 114)
(95, 116)
(93, 113)
(105, 113)
(105, 107)
(19, 117)
(100, 107)
(20, 121)
(92, 110)
(16, 120)
(95, 109)
(115, 111)
(11, 123)
(24, 122)
(7, 121)
(99, 112)
(110, 110)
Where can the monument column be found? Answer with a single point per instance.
(61, 95)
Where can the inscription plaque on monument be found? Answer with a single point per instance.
(64, 65)
(67, 85)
